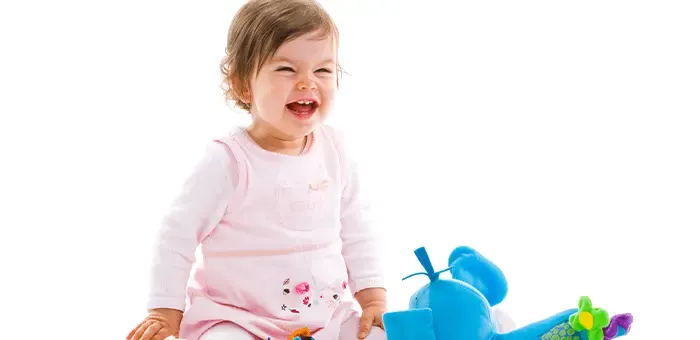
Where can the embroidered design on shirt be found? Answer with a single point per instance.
(285, 290)
(332, 297)
(301, 289)
(320, 186)
(302, 294)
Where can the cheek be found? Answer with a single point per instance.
(271, 94)
(328, 94)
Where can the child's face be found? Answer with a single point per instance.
(294, 91)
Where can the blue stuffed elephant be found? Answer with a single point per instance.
(460, 308)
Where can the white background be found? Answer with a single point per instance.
(561, 139)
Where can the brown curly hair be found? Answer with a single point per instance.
(258, 30)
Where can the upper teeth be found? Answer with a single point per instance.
(304, 102)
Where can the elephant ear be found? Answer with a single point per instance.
(413, 324)
(472, 268)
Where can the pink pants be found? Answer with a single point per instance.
(348, 331)
(273, 295)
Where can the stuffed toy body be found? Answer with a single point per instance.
(460, 308)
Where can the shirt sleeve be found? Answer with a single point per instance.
(191, 217)
(361, 244)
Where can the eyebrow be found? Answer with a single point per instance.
(283, 59)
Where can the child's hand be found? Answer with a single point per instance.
(371, 316)
(373, 303)
(158, 325)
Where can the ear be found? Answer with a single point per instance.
(413, 324)
(474, 269)
(245, 96)
(243, 92)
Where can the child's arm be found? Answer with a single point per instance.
(192, 216)
(361, 244)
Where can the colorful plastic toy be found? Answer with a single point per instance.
(460, 308)
(301, 334)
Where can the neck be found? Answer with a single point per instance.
(271, 140)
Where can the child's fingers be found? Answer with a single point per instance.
(162, 334)
(365, 324)
(138, 335)
(152, 330)
(133, 331)
(379, 322)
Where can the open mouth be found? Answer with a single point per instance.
(303, 109)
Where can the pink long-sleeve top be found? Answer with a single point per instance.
(243, 200)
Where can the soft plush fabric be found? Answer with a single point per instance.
(461, 308)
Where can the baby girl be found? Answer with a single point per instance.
(276, 207)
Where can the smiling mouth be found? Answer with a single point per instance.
(303, 109)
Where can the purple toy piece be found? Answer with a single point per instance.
(618, 321)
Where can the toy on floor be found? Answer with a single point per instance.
(460, 308)
(301, 334)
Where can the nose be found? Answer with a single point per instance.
(306, 84)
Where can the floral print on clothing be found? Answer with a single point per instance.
(285, 285)
(303, 288)
(305, 295)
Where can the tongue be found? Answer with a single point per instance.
(302, 108)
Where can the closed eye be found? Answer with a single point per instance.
(284, 69)
(324, 70)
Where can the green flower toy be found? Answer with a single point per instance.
(592, 320)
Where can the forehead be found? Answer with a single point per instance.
(310, 47)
